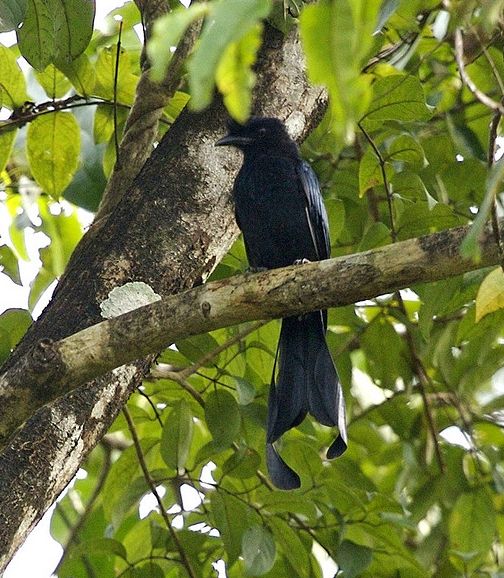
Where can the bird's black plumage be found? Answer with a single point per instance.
(280, 211)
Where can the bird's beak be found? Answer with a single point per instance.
(233, 140)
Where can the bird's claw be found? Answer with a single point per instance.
(301, 261)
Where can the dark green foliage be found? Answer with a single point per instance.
(402, 152)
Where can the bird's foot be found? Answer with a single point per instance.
(301, 261)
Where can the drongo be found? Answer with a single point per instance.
(279, 209)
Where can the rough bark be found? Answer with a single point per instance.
(169, 230)
(56, 367)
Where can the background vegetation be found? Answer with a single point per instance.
(405, 149)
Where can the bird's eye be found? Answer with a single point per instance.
(262, 131)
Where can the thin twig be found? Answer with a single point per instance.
(116, 76)
(418, 367)
(190, 370)
(55, 106)
(481, 96)
(492, 138)
(386, 184)
(184, 560)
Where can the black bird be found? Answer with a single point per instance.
(279, 208)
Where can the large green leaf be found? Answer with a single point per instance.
(258, 550)
(472, 522)
(177, 435)
(13, 325)
(222, 415)
(336, 38)
(52, 147)
(230, 515)
(12, 81)
(55, 31)
(352, 558)
(234, 76)
(229, 21)
(398, 97)
(12, 13)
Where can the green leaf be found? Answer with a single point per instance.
(245, 389)
(398, 97)
(490, 295)
(12, 81)
(470, 247)
(81, 73)
(13, 325)
(100, 546)
(55, 31)
(106, 75)
(230, 517)
(12, 13)
(337, 37)
(291, 545)
(385, 365)
(167, 32)
(243, 464)
(377, 235)
(41, 282)
(53, 146)
(258, 550)
(123, 486)
(336, 214)
(352, 558)
(9, 264)
(194, 348)
(230, 21)
(407, 149)
(7, 137)
(54, 82)
(103, 126)
(370, 171)
(222, 415)
(234, 76)
(177, 435)
(473, 522)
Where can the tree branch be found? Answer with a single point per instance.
(54, 368)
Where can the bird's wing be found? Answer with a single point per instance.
(315, 211)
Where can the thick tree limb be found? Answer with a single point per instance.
(170, 228)
(53, 368)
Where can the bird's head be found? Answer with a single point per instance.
(258, 134)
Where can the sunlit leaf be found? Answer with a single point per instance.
(336, 37)
(230, 21)
(472, 522)
(167, 33)
(12, 81)
(234, 76)
(53, 146)
(398, 97)
(490, 295)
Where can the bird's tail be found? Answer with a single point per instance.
(307, 383)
